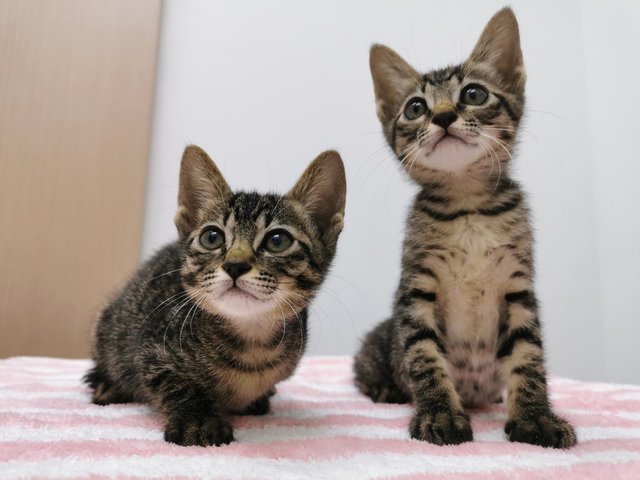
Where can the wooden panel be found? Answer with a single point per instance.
(76, 92)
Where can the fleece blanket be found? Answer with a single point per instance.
(319, 427)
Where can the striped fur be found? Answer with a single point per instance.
(465, 323)
(199, 345)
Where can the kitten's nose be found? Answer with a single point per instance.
(236, 269)
(444, 119)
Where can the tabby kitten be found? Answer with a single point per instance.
(465, 322)
(213, 321)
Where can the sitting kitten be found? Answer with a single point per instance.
(213, 321)
(465, 321)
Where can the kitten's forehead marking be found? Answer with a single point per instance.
(230, 227)
(261, 222)
(240, 251)
(248, 229)
(443, 107)
(441, 76)
(446, 91)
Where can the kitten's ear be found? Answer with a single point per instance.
(201, 186)
(499, 46)
(393, 79)
(322, 191)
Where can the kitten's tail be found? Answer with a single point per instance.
(93, 377)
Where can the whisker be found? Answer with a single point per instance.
(172, 300)
(166, 330)
(163, 274)
(195, 304)
(504, 147)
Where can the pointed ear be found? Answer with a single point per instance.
(393, 79)
(201, 185)
(322, 191)
(499, 47)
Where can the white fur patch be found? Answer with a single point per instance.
(473, 284)
(451, 155)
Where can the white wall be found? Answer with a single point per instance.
(266, 86)
(613, 65)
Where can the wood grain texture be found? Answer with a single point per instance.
(76, 93)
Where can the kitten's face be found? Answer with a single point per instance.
(257, 260)
(450, 119)
(254, 258)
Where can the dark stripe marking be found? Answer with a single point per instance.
(422, 295)
(422, 334)
(524, 297)
(443, 217)
(507, 106)
(501, 208)
(521, 334)
(423, 271)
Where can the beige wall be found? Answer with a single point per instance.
(76, 92)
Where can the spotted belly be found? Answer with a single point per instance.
(476, 373)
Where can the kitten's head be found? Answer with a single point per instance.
(256, 259)
(459, 117)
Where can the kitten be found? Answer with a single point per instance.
(213, 321)
(465, 322)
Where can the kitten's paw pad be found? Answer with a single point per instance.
(546, 430)
(441, 428)
(199, 431)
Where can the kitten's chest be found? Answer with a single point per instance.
(472, 277)
(251, 375)
(247, 387)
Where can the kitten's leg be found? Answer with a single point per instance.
(105, 391)
(259, 406)
(192, 418)
(531, 419)
(440, 417)
(373, 369)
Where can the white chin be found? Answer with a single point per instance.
(240, 306)
(451, 155)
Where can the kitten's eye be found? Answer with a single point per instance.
(277, 241)
(211, 238)
(415, 108)
(474, 95)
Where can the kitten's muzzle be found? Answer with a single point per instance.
(236, 269)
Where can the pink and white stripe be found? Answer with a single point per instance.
(320, 427)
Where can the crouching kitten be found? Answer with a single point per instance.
(213, 321)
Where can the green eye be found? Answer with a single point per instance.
(211, 238)
(277, 241)
(474, 95)
(415, 108)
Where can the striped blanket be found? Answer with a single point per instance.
(320, 427)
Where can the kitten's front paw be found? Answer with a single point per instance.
(546, 430)
(206, 431)
(441, 428)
